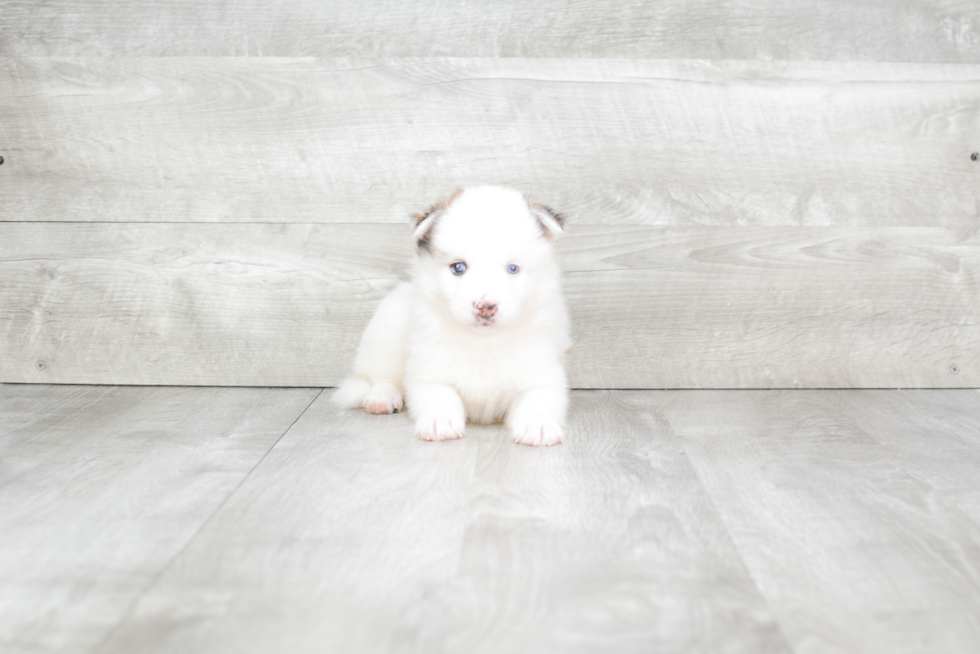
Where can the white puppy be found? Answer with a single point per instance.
(480, 332)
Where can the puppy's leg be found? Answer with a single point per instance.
(439, 412)
(380, 363)
(351, 392)
(384, 397)
(537, 417)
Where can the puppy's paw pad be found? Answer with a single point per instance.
(438, 429)
(383, 398)
(538, 434)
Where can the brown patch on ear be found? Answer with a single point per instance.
(443, 204)
(422, 215)
(537, 206)
(545, 213)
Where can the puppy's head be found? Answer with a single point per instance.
(486, 256)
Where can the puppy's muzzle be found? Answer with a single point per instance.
(484, 309)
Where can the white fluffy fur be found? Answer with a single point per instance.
(429, 342)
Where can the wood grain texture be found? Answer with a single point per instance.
(235, 305)
(681, 521)
(774, 308)
(100, 488)
(935, 435)
(855, 546)
(606, 141)
(284, 305)
(352, 536)
(864, 30)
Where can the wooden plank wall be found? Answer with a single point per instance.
(760, 194)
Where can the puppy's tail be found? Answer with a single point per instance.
(351, 392)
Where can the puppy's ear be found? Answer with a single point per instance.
(552, 223)
(426, 220)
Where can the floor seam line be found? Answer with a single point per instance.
(791, 646)
(156, 578)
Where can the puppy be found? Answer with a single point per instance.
(481, 330)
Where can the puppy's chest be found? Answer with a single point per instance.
(487, 376)
(493, 371)
(487, 384)
(490, 369)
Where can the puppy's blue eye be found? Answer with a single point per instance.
(458, 268)
(513, 269)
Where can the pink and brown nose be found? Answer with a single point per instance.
(485, 309)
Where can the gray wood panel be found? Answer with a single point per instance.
(224, 305)
(774, 308)
(353, 536)
(935, 433)
(925, 30)
(158, 520)
(101, 488)
(606, 141)
(284, 305)
(855, 546)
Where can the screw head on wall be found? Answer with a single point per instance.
(39, 365)
(954, 368)
(974, 156)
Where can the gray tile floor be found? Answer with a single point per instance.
(164, 519)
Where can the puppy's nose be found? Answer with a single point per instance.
(485, 309)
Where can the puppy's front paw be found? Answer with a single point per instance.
(438, 429)
(383, 398)
(538, 434)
